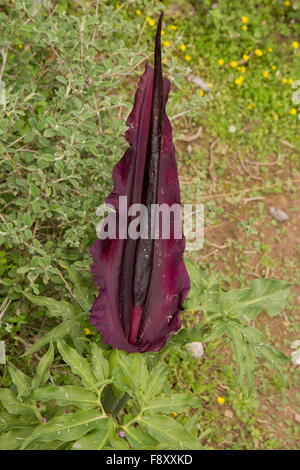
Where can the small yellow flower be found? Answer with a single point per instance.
(245, 19)
(150, 21)
(242, 69)
(187, 58)
(163, 32)
(293, 111)
(266, 74)
(20, 46)
(201, 93)
(240, 80)
(166, 43)
(138, 12)
(173, 27)
(87, 331)
(273, 67)
(270, 49)
(221, 400)
(258, 52)
(284, 81)
(246, 57)
(221, 61)
(244, 27)
(233, 63)
(286, 3)
(251, 106)
(182, 47)
(276, 117)
(174, 414)
(295, 45)
(290, 81)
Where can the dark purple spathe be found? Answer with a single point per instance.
(143, 283)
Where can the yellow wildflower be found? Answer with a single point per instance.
(138, 12)
(201, 93)
(221, 61)
(251, 106)
(286, 3)
(258, 52)
(221, 400)
(188, 58)
(270, 49)
(246, 57)
(182, 47)
(150, 21)
(233, 63)
(295, 45)
(242, 69)
(163, 32)
(166, 43)
(266, 74)
(284, 81)
(276, 117)
(290, 81)
(293, 111)
(240, 80)
(87, 331)
(174, 414)
(244, 27)
(20, 46)
(273, 67)
(173, 27)
(245, 19)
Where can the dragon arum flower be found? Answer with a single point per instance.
(143, 282)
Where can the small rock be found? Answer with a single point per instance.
(228, 414)
(297, 417)
(199, 82)
(295, 344)
(279, 214)
(196, 349)
(295, 356)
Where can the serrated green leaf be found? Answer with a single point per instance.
(67, 427)
(79, 365)
(43, 369)
(94, 440)
(166, 429)
(20, 380)
(56, 308)
(67, 395)
(264, 294)
(171, 403)
(60, 331)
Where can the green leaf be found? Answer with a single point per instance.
(80, 292)
(9, 421)
(20, 380)
(60, 331)
(43, 369)
(131, 374)
(14, 439)
(191, 424)
(79, 365)
(171, 403)
(100, 364)
(264, 294)
(116, 442)
(56, 308)
(156, 381)
(166, 429)
(67, 427)
(67, 395)
(139, 439)
(94, 440)
(12, 405)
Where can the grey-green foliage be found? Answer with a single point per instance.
(80, 421)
